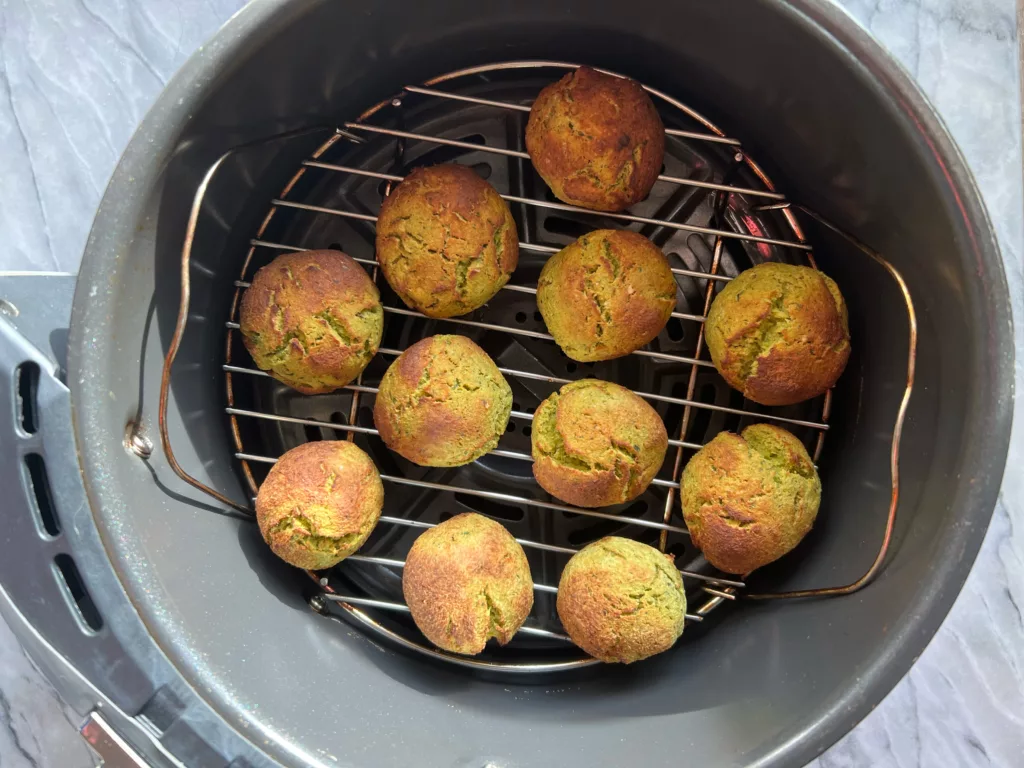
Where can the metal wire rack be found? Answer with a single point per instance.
(747, 228)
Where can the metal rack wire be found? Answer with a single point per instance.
(716, 587)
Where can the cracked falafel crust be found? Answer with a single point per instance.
(606, 295)
(467, 580)
(596, 139)
(319, 503)
(442, 403)
(312, 320)
(596, 444)
(446, 240)
(749, 499)
(621, 600)
(779, 333)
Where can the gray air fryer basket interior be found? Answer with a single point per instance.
(834, 124)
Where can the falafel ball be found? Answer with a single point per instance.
(465, 581)
(442, 403)
(606, 295)
(621, 601)
(778, 333)
(749, 499)
(319, 503)
(446, 241)
(312, 320)
(595, 444)
(596, 139)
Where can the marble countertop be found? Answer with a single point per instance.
(77, 77)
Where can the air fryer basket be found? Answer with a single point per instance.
(834, 125)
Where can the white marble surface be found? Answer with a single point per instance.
(76, 76)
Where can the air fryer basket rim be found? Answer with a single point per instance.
(149, 151)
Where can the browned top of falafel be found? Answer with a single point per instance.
(621, 600)
(446, 240)
(596, 139)
(319, 503)
(595, 444)
(465, 581)
(606, 295)
(442, 403)
(779, 333)
(312, 319)
(749, 499)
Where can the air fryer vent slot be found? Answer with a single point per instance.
(42, 495)
(82, 601)
(27, 377)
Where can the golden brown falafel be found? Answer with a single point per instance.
(621, 601)
(442, 403)
(319, 503)
(596, 444)
(749, 499)
(778, 333)
(596, 139)
(446, 241)
(465, 581)
(312, 320)
(606, 295)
